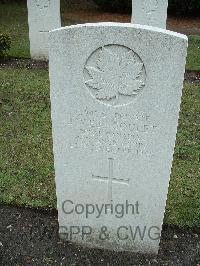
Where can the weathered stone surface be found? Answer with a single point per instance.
(115, 99)
(43, 16)
(150, 12)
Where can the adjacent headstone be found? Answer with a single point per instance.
(150, 12)
(43, 16)
(115, 99)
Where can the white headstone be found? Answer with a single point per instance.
(43, 16)
(115, 99)
(150, 12)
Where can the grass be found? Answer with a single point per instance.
(193, 59)
(26, 160)
(14, 20)
(183, 207)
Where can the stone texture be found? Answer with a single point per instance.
(150, 12)
(115, 99)
(43, 16)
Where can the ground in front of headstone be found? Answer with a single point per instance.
(29, 237)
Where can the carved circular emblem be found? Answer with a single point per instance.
(149, 6)
(114, 75)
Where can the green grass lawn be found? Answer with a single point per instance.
(13, 19)
(193, 59)
(183, 206)
(26, 160)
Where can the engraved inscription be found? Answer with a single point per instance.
(111, 179)
(42, 4)
(114, 75)
(117, 133)
(149, 6)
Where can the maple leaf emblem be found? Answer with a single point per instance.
(115, 75)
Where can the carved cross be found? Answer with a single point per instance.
(110, 179)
